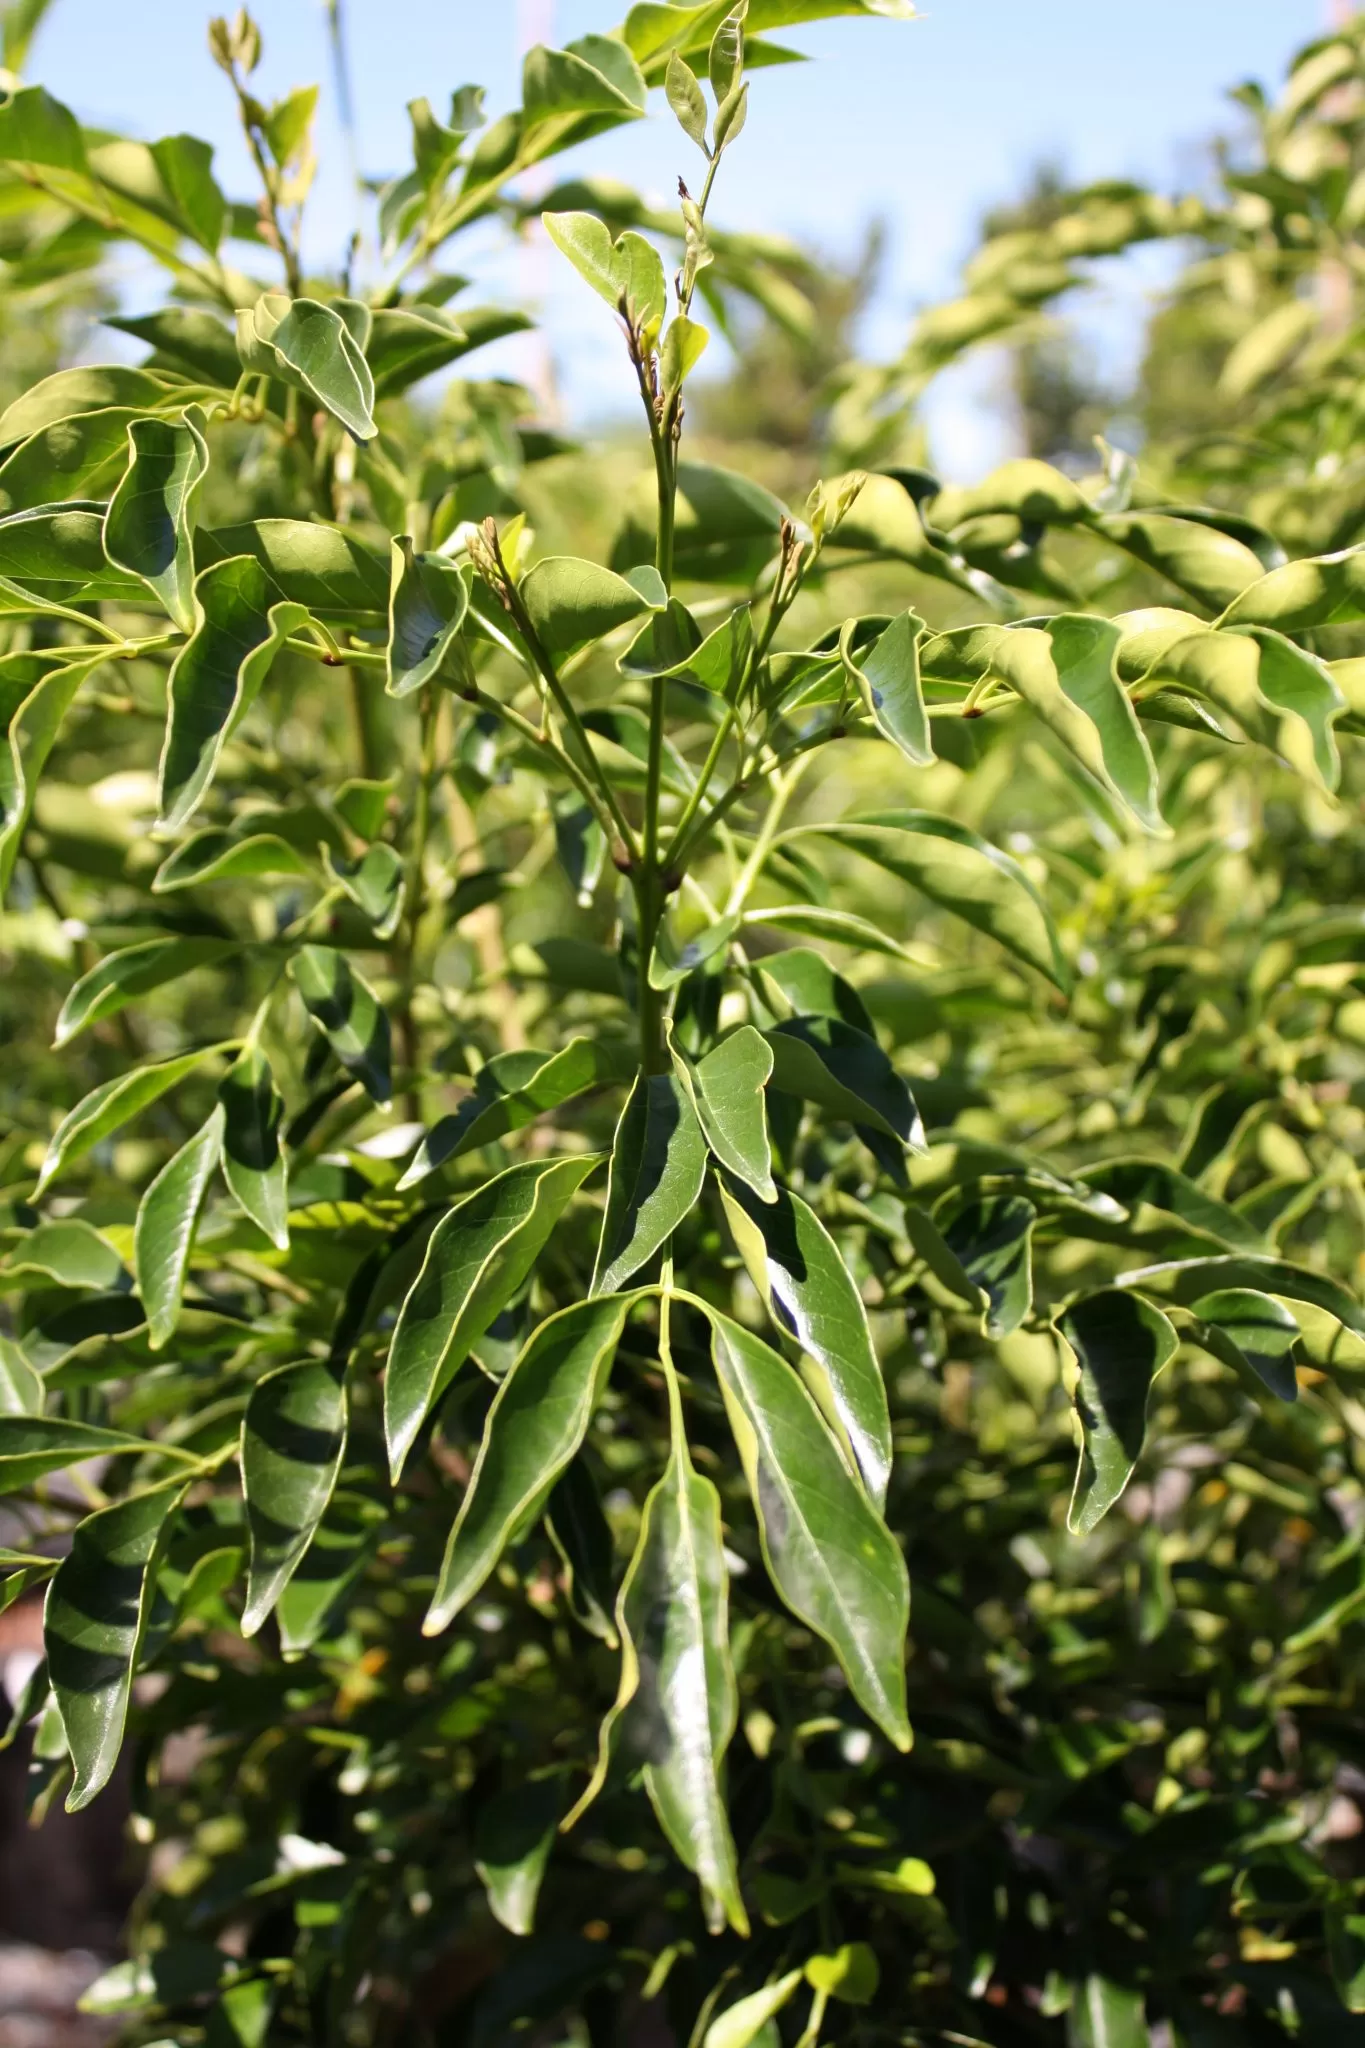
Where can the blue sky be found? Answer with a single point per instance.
(924, 123)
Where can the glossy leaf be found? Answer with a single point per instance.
(326, 569)
(887, 676)
(832, 1559)
(310, 346)
(1251, 1330)
(658, 1162)
(56, 553)
(1121, 1343)
(329, 1566)
(1109, 2015)
(582, 1536)
(1185, 1280)
(253, 1162)
(535, 1428)
(150, 522)
(511, 1091)
(726, 1088)
(348, 1013)
(123, 977)
(428, 599)
(513, 1837)
(676, 1707)
(992, 1239)
(79, 457)
(33, 1445)
(106, 1108)
(796, 1267)
(215, 678)
(167, 1218)
(477, 1258)
(964, 874)
(1066, 674)
(741, 2024)
(293, 1442)
(1134, 1182)
(35, 696)
(95, 1619)
(572, 603)
(847, 1073)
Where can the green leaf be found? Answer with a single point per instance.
(150, 521)
(324, 568)
(671, 963)
(376, 883)
(887, 677)
(513, 1837)
(477, 1258)
(676, 1707)
(21, 1388)
(687, 100)
(428, 599)
(1066, 673)
(167, 1217)
(740, 2025)
(593, 76)
(95, 1619)
(1214, 567)
(70, 1252)
(1121, 1343)
(332, 1562)
(571, 603)
(216, 855)
(253, 1162)
(1134, 1182)
(1253, 1332)
(106, 1108)
(1300, 685)
(56, 554)
(288, 124)
(35, 696)
(962, 873)
(89, 388)
(831, 1557)
(216, 676)
(1108, 2015)
(684, 345)
(851, 1974)
(582, 1536)
(992, 1240)
(537, 1423)
(726, 527)
(123, 977)
(1323, 590)
(310, 346)
(189, 341)
(293, 1443)
(725, 58)
(408, 343)
(511, 1091)
(33, 1445)
(801, 981)
(846, 1072)
(186, 167)
(80, 457)
(797, 1269)
(348, 1013)
(726, 1089)
(658, 1163)
(1185, 1280)
(36, 129)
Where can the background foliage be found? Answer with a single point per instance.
(1022, 874)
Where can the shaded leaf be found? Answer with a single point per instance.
(511, 1091)
(658, 1162)
(992, 1239)
(253, 1162)
(580, 1533)
(1121, 1343)
(571, 603)
(348, 1013)
(150, 521)
(513, 1837)
(33, 1445)
(428, 599)
(1251, 1331)
(726, 1088)
(122, 977)
(167, 1218)
(847, 1073)
(293, 1442)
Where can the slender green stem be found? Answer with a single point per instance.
(416, 901)
(587, 760)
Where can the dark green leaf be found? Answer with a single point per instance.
(32, 1445)
(535, 1427)
(167, 1218)
(513, 1837)
(582, 1536)
(331, 1563)
(101, 1112)
(572, 603)
(80, 457)
(477, 1258)
(376, 884)
(216, 676)
(509, 1093)
(293, 1442)
(56, 552)
(96, 1617)
(992, 1240)
(150, 521)
(658, 1162)
(831, 1557)
(253, 1163)
(1185, 1280)
(428, 599)
(726, 1088)
(1250, 1330)
(120, 979)
(847, 1073)
(1108, 2015)
(796, 1267)
(348, 1013)
(35, 695)
(1133, 1182)
(1121, 1343)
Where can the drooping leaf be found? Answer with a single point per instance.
(253, 1162)
(376, 883)
(581, 1534)
(1248, 1329)
(658, 1162)
(1136, 1181)
(676, 1707)
(847, 1073)
(68, 1251)
(293, 1442)
(1185, 1280)
(1121, 1343)
(1066, 674)
(327, 569)
(217, 855)
(96, 1616)
(36, 693)
(167, 1218)
(310, 346)
(79, 457)
(1108, 2015)
(123, 976)
(887, 676)
(992, 1239)
(795, 1265)
(428, 599)
(535, 1427)
(511, 1091)
(185, 164)
(348, 1013)
(216, 676)
(340, 1544)
(726, 1088)
(513, 1837)
(102, 1112)
(595, 75)
(830, 1555)
(148, 529)
(476, 1259)
(962, 873)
